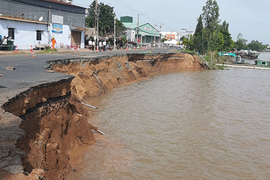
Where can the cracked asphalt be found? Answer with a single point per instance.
(30, 69)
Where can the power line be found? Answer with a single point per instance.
(127, 6)
(134, 10)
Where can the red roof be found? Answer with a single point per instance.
(60, 2)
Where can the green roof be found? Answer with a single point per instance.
(145, 28)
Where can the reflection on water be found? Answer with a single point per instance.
(186, 125)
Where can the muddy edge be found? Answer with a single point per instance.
(40, 127)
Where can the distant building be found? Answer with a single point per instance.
(34, 22)
(173, 38)
(144, 32)
(186, 33)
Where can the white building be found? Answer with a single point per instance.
(173, 38)
(31, 23)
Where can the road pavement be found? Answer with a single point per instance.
(30, 69)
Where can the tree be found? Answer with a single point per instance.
(241, 43)
(256, 46)
(106, 19)
(210, 17)
(217, 41)
(188, 43)
(228, 42)
(120, 28)
(198, 37)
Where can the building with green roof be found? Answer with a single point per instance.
(146, 32)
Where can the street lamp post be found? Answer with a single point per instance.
(96, 16)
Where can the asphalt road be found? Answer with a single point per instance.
(29, 70)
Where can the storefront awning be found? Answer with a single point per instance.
(75, 28)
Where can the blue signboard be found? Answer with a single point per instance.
(57, 28)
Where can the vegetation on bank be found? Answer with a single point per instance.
(212, 35)
(241, 43)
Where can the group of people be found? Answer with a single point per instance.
(102, 45)
(4, 40)
(3, 43)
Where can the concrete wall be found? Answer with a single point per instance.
(25, 34)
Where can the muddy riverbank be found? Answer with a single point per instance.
(52, 119)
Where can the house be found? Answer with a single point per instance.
(143, 32)
(31, 23)
(174, 38)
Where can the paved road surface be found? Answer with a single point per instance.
(29, 71)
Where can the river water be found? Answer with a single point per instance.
(184, 125)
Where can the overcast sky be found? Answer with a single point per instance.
(248, 17)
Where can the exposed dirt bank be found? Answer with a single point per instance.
(97, 77)
(53, 119)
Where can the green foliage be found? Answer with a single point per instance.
(256, 46)
(188, 43)
(220, 67)
(120, 28)
(241, 43)
(186, 51)
(217, 41)
(163, 40)
(198, 37)
(46, 51)
(209, 34)
(106, 19)
(90, 19)
(228, 42)
(210, 17)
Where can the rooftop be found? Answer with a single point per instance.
(64, 3)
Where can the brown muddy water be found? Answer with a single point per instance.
(185, 125)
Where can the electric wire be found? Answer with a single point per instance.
(126, 6)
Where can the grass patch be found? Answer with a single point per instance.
(46, 51)
(218, 67)
(185, 51)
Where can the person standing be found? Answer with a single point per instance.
(53, 43)
(104, 45)
(5, 47)
(90, 44)
(100, 45)
(5, 40)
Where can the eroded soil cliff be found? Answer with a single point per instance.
(55, 121)
(95, 78)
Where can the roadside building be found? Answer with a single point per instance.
(34, 23)
(185, 33)
(172, 38)
(143, 33)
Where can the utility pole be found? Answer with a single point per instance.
(114, 39)
(189, 33)
(155, 33)
(95, 24)
(138, 27)
(160, 32)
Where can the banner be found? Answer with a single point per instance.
(169, 36)
(57, 28)
(57, 19)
